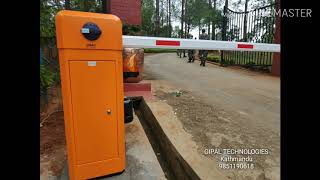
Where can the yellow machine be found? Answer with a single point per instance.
(90, 55)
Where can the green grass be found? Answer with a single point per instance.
(249, 58)
(157, 50)
(214, 58)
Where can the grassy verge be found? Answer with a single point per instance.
(250, 58)
(156, 50)
(214, 58)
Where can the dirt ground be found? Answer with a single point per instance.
(52, 145)
(210, 129)
(230, 108)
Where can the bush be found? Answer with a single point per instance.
(47, 79)
(157, 50)
(213, 58)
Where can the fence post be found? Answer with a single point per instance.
(275, 70)
(224, 28)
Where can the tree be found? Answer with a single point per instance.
(67, 4)
(176, 32)
(245, 21)
(157, 30)
(210, 16)
(48, 10)
(214, 19)
(182, 17)
(169, 18)
(260, 3)
(148, 14)
(86, 5)
(199, 13)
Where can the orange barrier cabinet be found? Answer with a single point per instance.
(90, 55)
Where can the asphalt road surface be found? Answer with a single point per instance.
(246, 102)
(251, 94)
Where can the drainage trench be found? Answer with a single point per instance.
(171, 162)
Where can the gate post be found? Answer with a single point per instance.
(276, 56)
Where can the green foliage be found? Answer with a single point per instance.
(233, 33)
(260, 3)
(48, 10)
(227, 63)
(164, 30)
(47, 78)
(148, 16)
(175, 32)
(86, 5)
(157, 50)
(213, 58)
(197, 12)
(133, 30)
(177, 93)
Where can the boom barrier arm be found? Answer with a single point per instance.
(176, 43)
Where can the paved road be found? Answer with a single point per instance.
(223, 108)
(253, 95)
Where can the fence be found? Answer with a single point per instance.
(258, 26)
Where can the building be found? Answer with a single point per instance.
(129, 11)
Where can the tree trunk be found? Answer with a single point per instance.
(209, 29)
(199, 28)
(188, 26)
(225, 18)
(185, 19)
(210, 17)
(86, 5)
(182, 18)
(157, 23)
(214, 20)
(67, 4)
(224, 30)
(162, 13)
(245, 21)
(169, 18)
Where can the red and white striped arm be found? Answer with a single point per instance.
(175, 43)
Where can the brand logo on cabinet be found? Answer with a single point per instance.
(91, 45)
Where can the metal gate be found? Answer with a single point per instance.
(255, 26)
